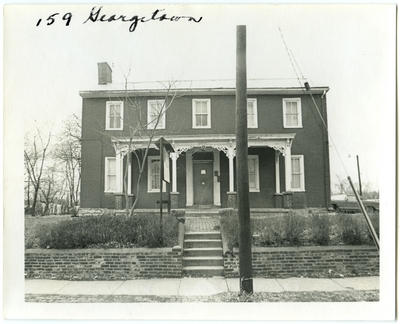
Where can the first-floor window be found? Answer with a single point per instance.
(298, 173)
(111, 175)
(253, 173)
(153, 180)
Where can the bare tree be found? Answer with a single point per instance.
(68, 153)
(49, 188)
(140, 128)
(35, 154)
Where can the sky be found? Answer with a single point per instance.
(349, 48)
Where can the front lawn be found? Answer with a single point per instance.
(105, 231)
(296, 229)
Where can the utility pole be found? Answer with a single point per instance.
(359, 176)
(245, 255)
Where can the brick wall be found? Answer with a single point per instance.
(103, 264)
(308, 261)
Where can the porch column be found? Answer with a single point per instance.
(217, 188)
(130, 176)
(118, 171)
(288, 166)
(277, 174)
(174, 156)
(231, 154)
(189, 180)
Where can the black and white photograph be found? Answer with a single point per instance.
(199, 161)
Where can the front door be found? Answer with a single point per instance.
(203, 182)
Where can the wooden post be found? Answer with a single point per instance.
(245, 255)
(359, 176)
(161, 186)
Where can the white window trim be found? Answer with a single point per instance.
(161, 123)
(108, 114)
(107, 159)
(149, 189)
(254, 100)
(208, 113)
(302, 177)
(257, 189)
(286, 100)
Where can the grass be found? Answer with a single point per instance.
(227, 297)
(301, 229)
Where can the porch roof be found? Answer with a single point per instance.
(218, 141)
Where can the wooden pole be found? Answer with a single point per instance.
(369, 223)
(161, 186)
(359, 176)
(245, 256)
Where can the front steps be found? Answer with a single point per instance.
(202, 255)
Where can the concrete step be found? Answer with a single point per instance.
(202, 243)
(203, 261)
(202, 252)
(216, 271)
(203, 235)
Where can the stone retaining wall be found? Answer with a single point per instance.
(102, 264)
(308, 262)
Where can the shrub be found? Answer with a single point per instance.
(294, 226)
(320, 228)
(293, 229)
(229, 219)
(270, 231)
(139, 230)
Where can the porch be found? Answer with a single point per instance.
(202, 172)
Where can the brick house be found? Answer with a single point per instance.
(288, 146)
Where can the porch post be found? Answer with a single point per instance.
(277, 175)
(174, 156)
(231, 154)
(288, 166)
(118, 170)
(130, 176)
(189, 180)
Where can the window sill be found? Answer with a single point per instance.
(292, 126)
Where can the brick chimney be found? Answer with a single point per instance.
(104, 73)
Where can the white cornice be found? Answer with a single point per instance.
(200, 92)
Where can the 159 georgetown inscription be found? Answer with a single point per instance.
(96, 15)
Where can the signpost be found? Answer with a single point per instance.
(165, 148)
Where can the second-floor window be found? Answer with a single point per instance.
(201, 113)
(114, 115)
(156, 114)
(252, 113)
(292, 113)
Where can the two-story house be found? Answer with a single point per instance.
(288, 155)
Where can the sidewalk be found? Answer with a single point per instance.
(194, 286)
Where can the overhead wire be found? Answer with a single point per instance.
(290, 54)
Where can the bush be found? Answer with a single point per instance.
(320, 228)
(140, 230)
(294, 226)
